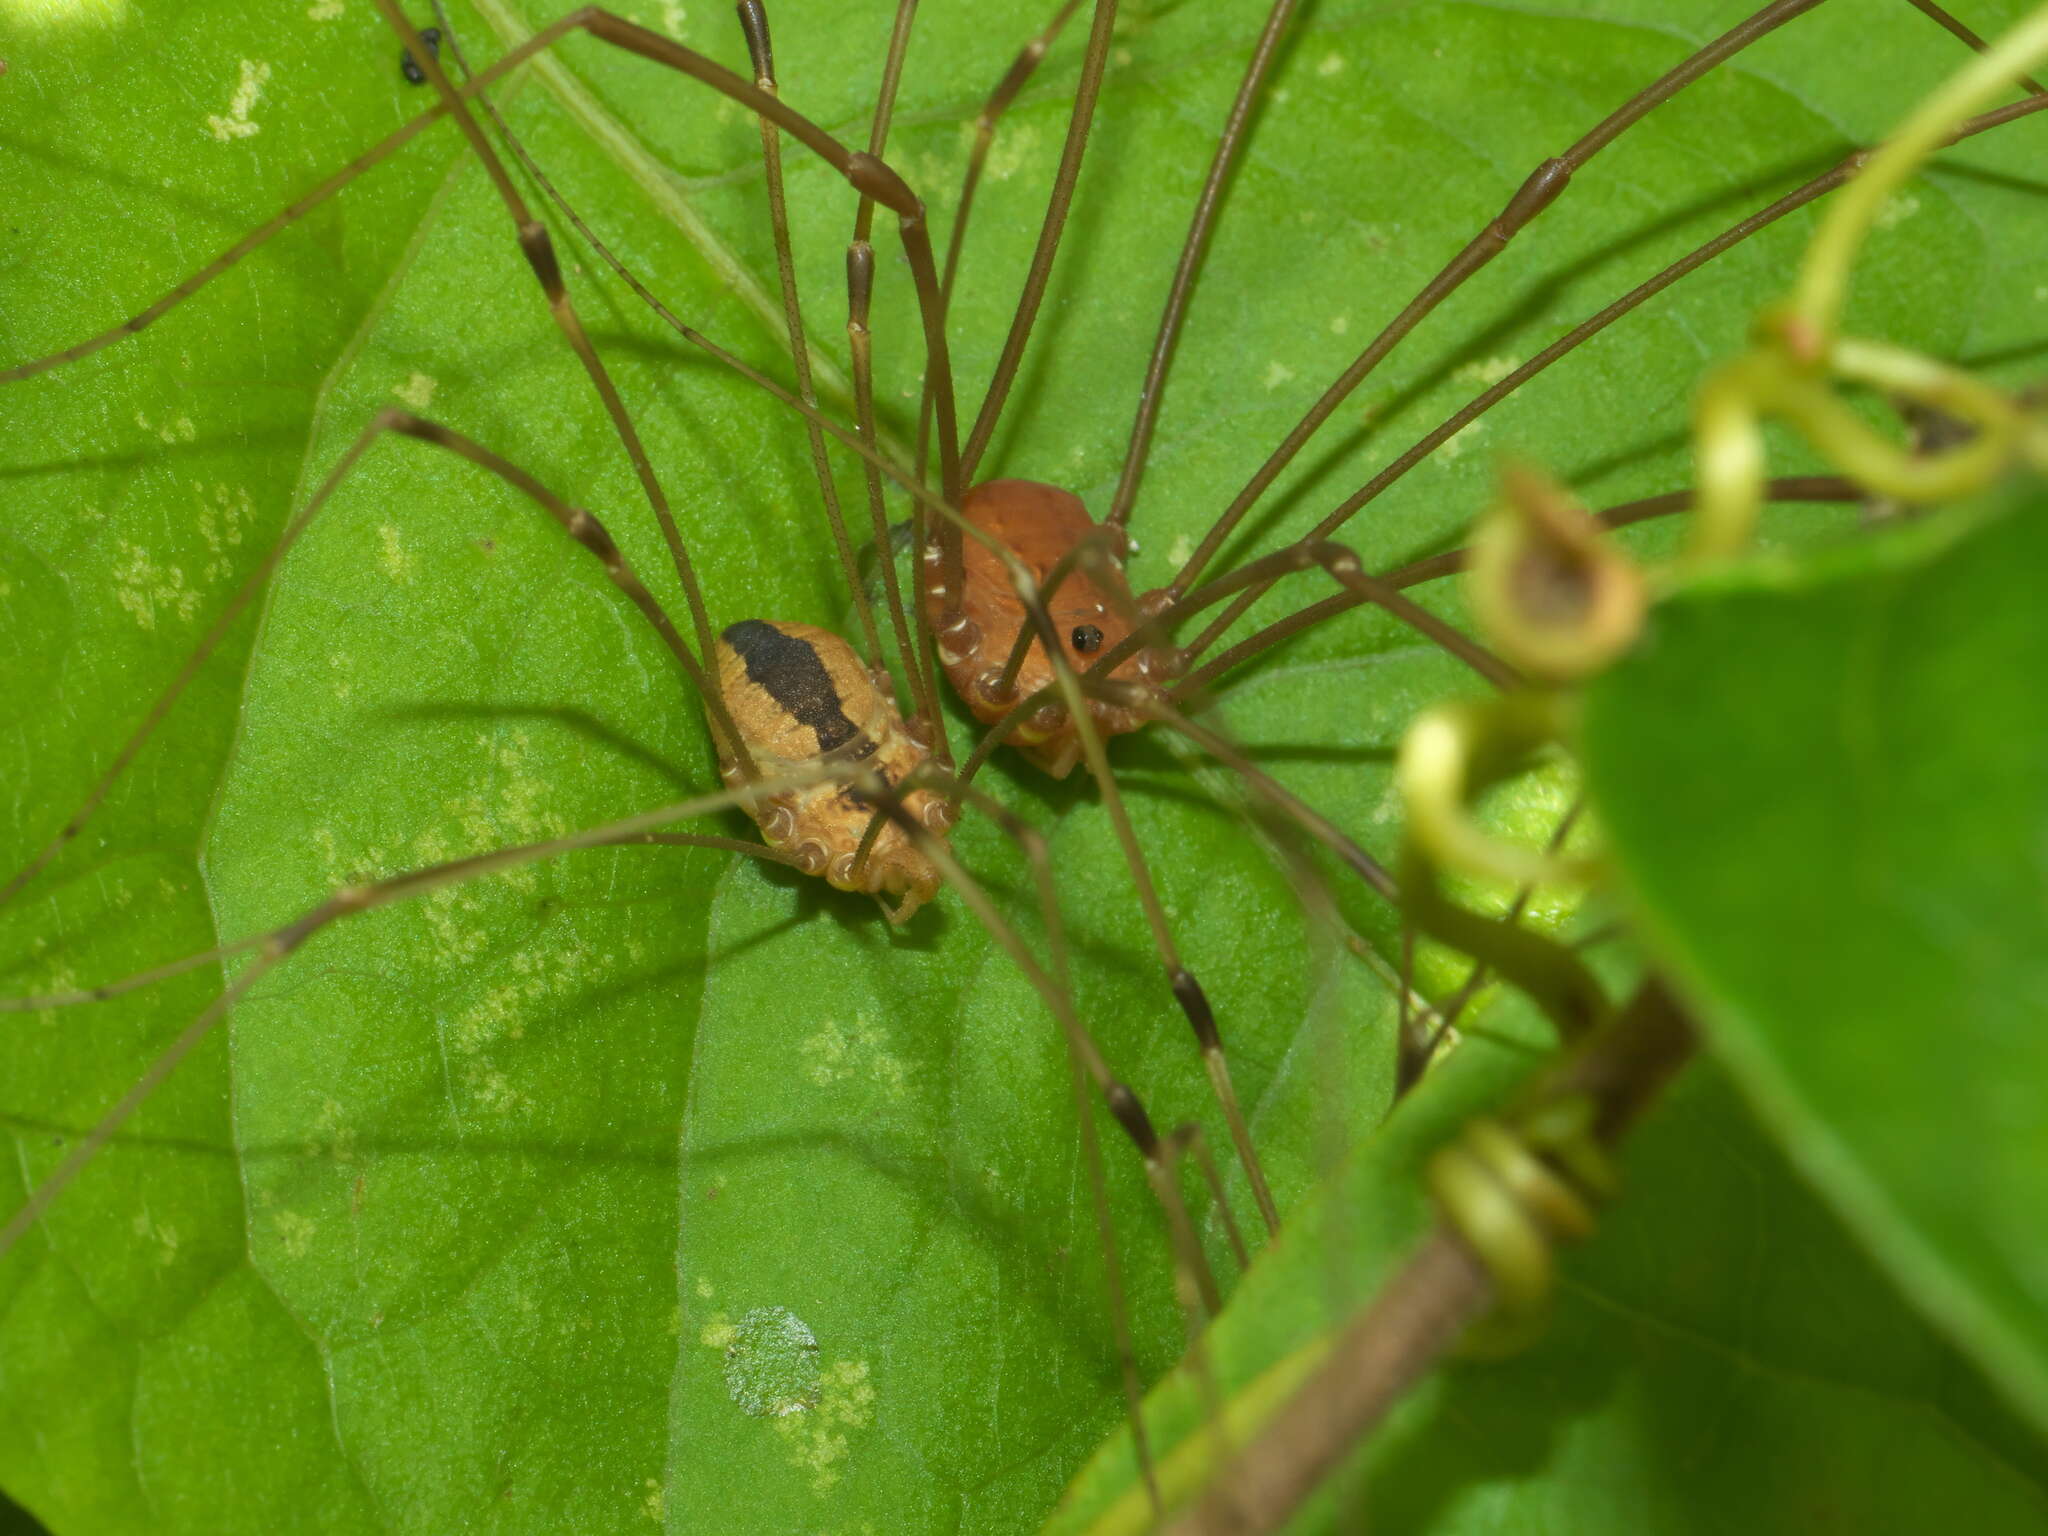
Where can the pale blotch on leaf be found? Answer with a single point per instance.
(248, 91)
(221, 516)
(1898, 208)
(146, 589)
(417, 392)
(1011, 152)
(1455, 445)
(294, 1233)
(332, 1137)
(162, 1234)
(771, 1364)
(655, 1505)
(838, 1052)
(1486, 372)
(325, 10)
(817, 1440)
(392, 555)
(1330, 64)
(179, 431)
(1278, 373)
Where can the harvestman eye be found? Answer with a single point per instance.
(1086, 638)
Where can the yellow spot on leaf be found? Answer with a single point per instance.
(236, 125)
(1487, 372)
(838, 1052)
(1898, 208)
(294, 1233)
(392, 554)
(417, 392)
(146, 589)
(817, 1440)
(1012, 152)
(1458, 441)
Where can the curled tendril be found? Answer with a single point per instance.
(1452, 754)
(1798, 355)
(1514, 1191)
(1551, 594)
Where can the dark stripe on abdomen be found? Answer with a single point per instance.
(794, 677)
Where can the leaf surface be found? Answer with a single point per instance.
(1857, 898)
(459, 1222)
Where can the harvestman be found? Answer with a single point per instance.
(749, 730)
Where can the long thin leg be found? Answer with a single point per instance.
(1039, 274)
(1537, 193)
(926, 723)
(580, 525)
(999, 100)
(860, 278)
(884, 113)
(275, 947)
(1414, 1062)
(1197, 1280)
(593, 536)
(263, 233)
(1208, 203)
(107, 991)
(1113, 1277)
(1791, 202)
(1969, 39)
(538, 248)
(1341, 565)
(951, 572)
(760, 49)
(1363, 864)
(929, 724)
(868, 452)
(1784, 488)
(1187, 991)
(868, 176)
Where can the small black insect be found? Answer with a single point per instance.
(1086, 638)
(410, 66)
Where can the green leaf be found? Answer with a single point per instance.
(1856, 898)
(1722, 1356)
(450, 1227)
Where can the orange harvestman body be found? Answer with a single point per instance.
(1091, 609)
